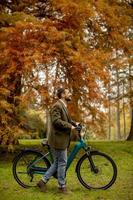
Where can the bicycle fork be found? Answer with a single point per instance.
(91, 163)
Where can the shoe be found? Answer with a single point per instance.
(64, 190)
(42, 185)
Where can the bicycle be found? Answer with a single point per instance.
(95, 169)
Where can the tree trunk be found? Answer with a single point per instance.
(124, 116)
(109, 114)
(17, 89)
(130, 89)
(109, 134)
(130, 136)
(118, 107)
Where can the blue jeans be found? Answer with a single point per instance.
(59, 165)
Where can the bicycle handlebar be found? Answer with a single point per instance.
(79, 128)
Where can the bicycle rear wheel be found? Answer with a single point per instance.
(96, 170)
(23, 173)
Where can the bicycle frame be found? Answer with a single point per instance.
(79, 145)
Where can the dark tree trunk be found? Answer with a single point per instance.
(130, 136)
(16, 91)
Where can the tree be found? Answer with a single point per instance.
(130, 136)
(70, 43)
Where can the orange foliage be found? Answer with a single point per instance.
(73, 47)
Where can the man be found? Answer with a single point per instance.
(59, 139)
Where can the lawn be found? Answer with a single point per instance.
(121, 152)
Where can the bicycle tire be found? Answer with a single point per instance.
(18, 158)
(87, 157)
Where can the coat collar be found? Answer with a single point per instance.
(63, 103)
(65, 109)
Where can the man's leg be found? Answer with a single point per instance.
(53, 168)
(62, 163)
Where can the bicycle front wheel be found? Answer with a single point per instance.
(96, 170)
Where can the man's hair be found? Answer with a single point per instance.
(60, 91)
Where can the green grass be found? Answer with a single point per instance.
(121, 152)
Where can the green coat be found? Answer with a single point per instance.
(60, 126)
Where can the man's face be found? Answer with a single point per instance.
(67, 95)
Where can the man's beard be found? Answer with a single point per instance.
(68, 99)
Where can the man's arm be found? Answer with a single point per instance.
(73, 123)
(57, 121)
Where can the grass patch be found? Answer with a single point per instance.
(121, 152)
